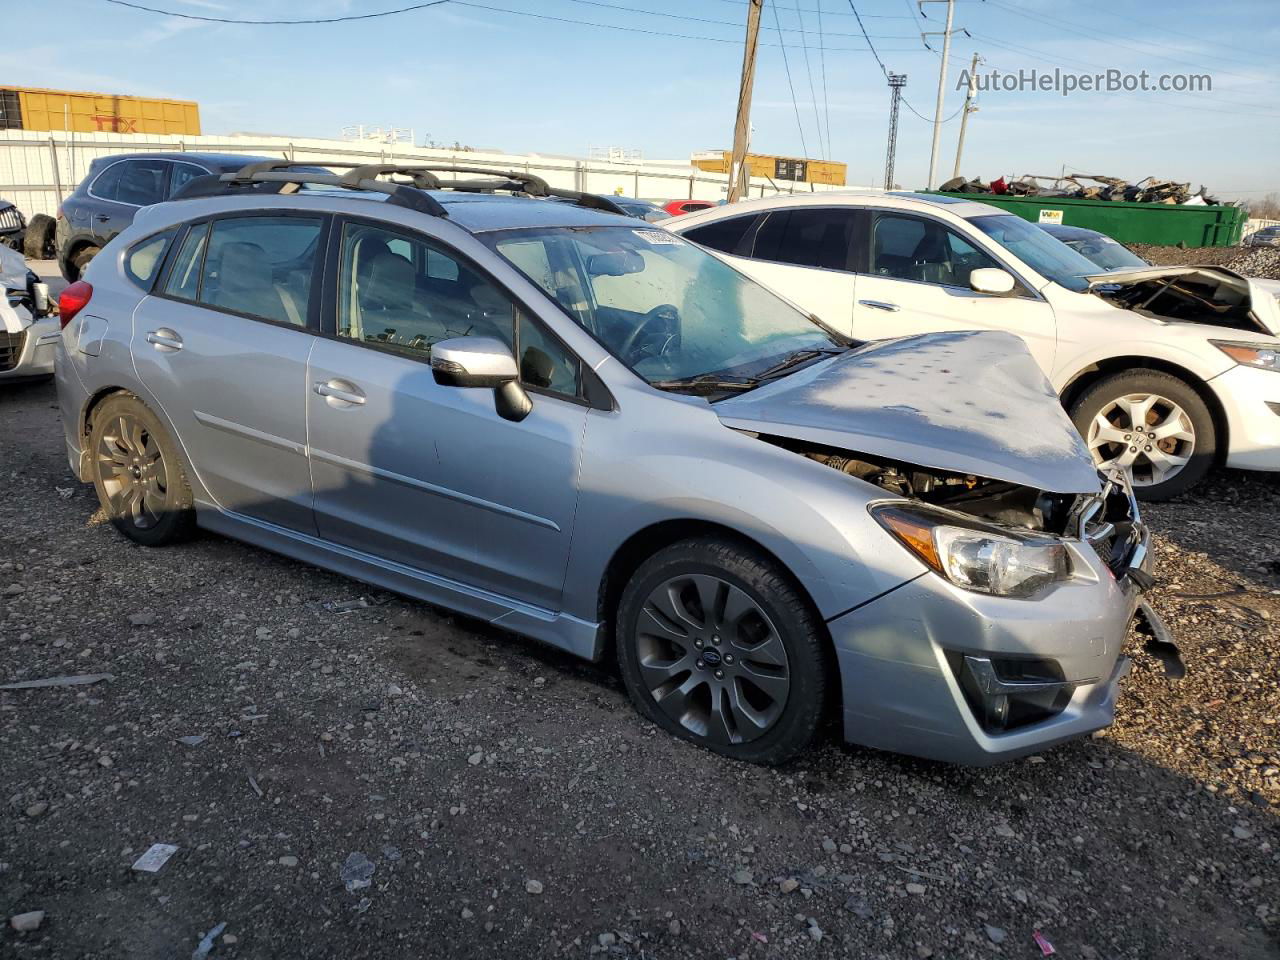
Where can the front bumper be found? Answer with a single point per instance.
(1251, 401)
(28, 352)
(903, 661)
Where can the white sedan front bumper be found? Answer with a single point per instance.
(1251, 400)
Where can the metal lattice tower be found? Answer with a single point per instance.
(896, 82)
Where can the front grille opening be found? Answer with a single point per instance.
(11, 345)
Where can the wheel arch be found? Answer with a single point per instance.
(644, 543)
(1099, 370)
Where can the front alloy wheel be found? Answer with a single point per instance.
(717, 645)
(711, 659)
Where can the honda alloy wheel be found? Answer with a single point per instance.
(717, 646)
(1151, 424)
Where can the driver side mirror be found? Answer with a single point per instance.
(992, 280)
(484, 362)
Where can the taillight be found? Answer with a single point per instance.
(72, 300)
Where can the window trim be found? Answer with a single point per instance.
(312, 323)
(1023, 290)
(333, 279)
(164, 195)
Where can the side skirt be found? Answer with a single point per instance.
(557, 629)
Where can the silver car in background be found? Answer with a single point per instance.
(589, 431)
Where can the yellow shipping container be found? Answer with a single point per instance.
(25, 108)
(776, 168)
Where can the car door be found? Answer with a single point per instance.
(426, 475)
(915, 279)
(808, 254)
(222, 346)
(120, 190)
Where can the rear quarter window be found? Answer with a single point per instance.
(723, 235)
(142, 262)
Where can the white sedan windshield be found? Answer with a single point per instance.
(1046, 255)
(664, 306)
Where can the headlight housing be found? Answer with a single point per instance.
(975, 556)
(1260, 356)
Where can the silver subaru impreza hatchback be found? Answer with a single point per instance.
(591, 432)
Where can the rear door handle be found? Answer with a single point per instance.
(102, 218)
(342, 391)
(880, 305)
(164, 340)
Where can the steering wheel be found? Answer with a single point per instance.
(663, 311)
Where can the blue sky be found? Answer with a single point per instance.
(473, 73)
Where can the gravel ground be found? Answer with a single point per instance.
(1251, 262)
(512, 804)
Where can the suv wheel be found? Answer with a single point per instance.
(718, 647)
(1153, 424)
(79, 260)
(138, 474)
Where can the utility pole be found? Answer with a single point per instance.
(969, 94)
(738, 174)
(896, 82)
(942, 86)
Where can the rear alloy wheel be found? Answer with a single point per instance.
(81, 259)
(718, 647)
(137, 473)
(1151, 424)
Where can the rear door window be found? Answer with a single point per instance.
(182, 174)
(807, 238)
(261, 266)
(184, 276)
(107, 182)
(142, 182)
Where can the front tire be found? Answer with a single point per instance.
(138, 473)
(1153, 424)
(717, 646)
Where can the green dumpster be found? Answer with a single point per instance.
(1165, 224)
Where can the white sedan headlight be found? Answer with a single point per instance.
(1261, 356)
(975, 556)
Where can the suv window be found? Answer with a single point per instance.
(807, 237)
(405, 295)
(913, 248)
(182, 174)
(184, 276)
(260, 266)
(142, 263)
(723, 235)
(136, 182)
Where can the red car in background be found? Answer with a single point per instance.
(677, 207)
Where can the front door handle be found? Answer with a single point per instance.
(880, 305)
(338, 392)
(164, 340)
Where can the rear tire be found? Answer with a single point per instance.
(79, 260)
(1173, 446)
(717, 646)
(38, 242)
(138, 473)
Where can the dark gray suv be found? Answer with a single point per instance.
(115, 188)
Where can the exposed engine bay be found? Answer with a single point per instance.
(1188, 296)
(1104, 520)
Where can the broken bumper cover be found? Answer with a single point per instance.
(944, 673)
(28, 351)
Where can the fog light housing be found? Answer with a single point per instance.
(1005, 694)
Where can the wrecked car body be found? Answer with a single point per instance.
(28, 331)
(760, 517)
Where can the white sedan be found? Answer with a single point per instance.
(1165, 370)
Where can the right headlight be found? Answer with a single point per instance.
(975, 556)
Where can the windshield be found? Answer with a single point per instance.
(663, 306)
(1046, 255)
(1107, 253)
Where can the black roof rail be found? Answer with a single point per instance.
(365, 177)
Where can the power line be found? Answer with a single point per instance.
(357, 16)
(723, 23)
(791, 86)
(813, 96)
(885, 70)
(822, 53)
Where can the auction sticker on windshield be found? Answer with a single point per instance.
(657, 236)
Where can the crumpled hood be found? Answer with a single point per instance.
(968, 402)
(1262, 293)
